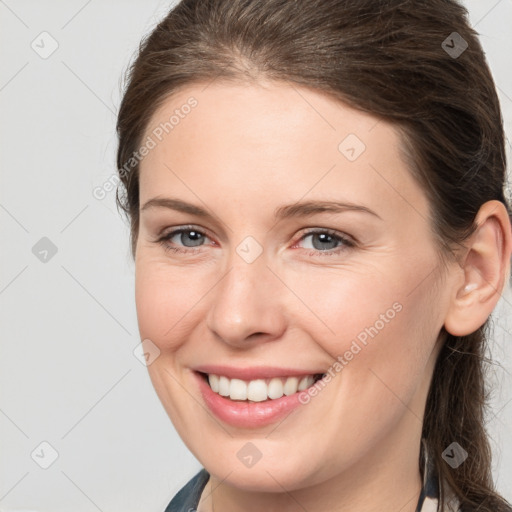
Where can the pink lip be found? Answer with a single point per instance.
(253, 373)
(243, 413)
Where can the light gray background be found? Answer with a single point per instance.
(68, 373)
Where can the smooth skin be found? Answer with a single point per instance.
(242, 152)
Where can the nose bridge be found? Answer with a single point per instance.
(247, 299)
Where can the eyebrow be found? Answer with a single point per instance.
(282, 212)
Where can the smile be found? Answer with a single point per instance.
(252, 397)
(259, 390)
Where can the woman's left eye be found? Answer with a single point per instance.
(323, 241)
(326, 241)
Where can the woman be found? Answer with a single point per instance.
(320, 233)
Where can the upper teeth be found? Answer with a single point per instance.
(260, 389)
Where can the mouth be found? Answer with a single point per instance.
(254, 397)
(258, 390)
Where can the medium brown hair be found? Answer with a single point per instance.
(388, 58)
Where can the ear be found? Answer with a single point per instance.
(485, 271)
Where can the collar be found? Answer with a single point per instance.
(430, 492)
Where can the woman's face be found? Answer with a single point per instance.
(249, 293)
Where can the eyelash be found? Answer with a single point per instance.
(346, 242)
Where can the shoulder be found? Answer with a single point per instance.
(501, 507)
(491, 503)
(187, 498)
(468, 508)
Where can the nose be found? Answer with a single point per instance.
(247, 306)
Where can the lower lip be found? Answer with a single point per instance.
(244, 413)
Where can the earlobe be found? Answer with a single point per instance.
(486, 267)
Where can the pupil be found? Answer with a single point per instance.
(324, 238)
(193, 235)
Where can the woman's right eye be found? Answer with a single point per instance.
(183, 236)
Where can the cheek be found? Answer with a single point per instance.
(383, 337)
(377, 323)
(168, 301)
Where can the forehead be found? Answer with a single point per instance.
(271, 140)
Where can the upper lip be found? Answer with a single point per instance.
(253, 372)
